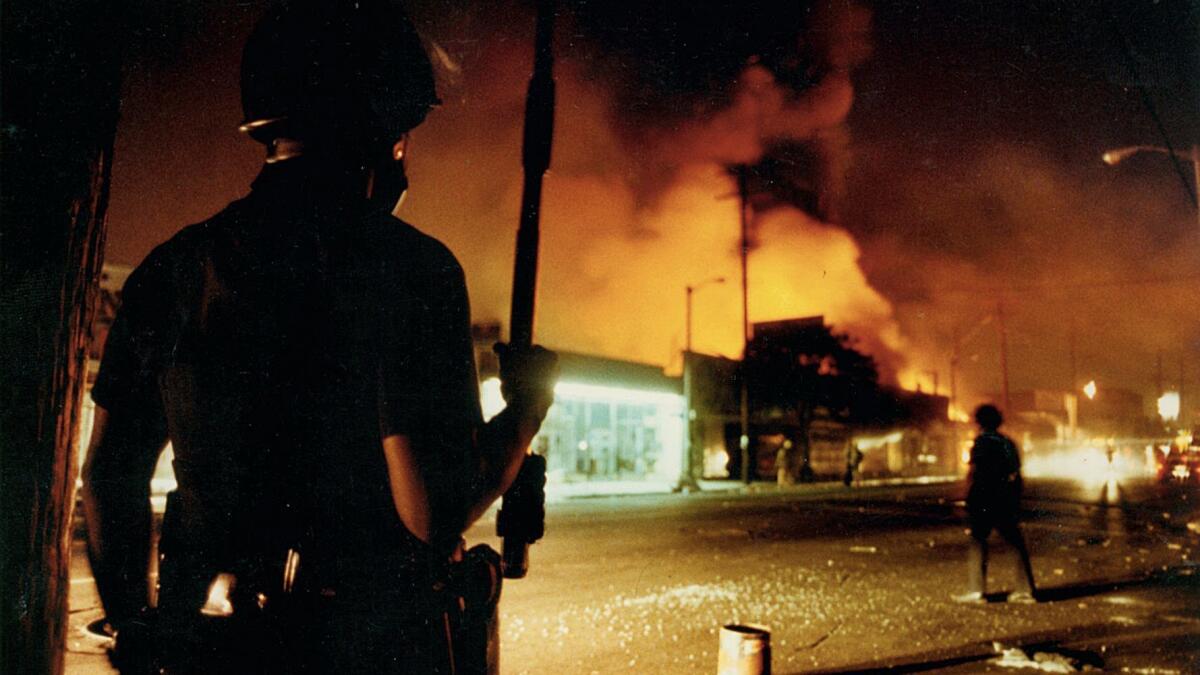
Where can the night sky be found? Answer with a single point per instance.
(952, 150)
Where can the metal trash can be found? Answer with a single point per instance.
(745, 649)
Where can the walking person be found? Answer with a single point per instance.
(994, 503)
(854, 458)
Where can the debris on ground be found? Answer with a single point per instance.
(1046, 660)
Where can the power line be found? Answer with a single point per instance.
(1148, 102)
(1070, 285)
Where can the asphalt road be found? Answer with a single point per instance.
(846, 579)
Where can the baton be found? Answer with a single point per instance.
(535, 160)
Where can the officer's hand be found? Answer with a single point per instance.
(527, 377)
(133, 650)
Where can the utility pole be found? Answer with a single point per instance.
(1182, 376)
(687, 481)
(687, 340)
(1071, 400)
(744, 204)
(954, 368)
(1003, 358)
(1074, 372)
(1158, 375)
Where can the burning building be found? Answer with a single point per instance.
(811, 397)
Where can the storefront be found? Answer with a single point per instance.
(611, 421)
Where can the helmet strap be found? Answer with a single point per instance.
(387, 181)
(283, 149)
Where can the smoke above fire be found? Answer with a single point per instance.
(640, 202)
(1094, 277)
(950, 163)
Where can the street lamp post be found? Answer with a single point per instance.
(687, 481)
(1114, 157)
(691, 290)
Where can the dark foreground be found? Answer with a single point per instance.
(847, 579)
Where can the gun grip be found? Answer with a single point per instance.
(522, 517)
(514, 561)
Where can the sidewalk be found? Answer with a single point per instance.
(564, 491)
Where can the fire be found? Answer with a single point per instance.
(627, 226)
(624, 295)
(218, 602)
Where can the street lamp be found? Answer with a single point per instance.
(686, 480)
(1168, 406)
(1114, 157)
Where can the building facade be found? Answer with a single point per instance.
(611, 421)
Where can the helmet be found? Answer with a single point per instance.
(348, 72)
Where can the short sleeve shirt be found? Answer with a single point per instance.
(278, 343)
(997, 467)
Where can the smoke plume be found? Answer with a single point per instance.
(640, 201)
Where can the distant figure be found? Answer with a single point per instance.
(783, 468)
(854, 458)
(994, 502)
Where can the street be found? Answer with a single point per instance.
(846, 579)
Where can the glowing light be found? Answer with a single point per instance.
(716, 463)
(1091, 464)
(870, 442)
(218, 603)
(1089, 389)
(671, 404)
(1168, 405)
(489, 397)
(1112, 489)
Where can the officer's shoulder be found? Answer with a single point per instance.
(405, 243)
(198, 237)
(175, 258)
(181, 246)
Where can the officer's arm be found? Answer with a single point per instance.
(527, 379)
(116, 502)
(410, 494)
(502, 444)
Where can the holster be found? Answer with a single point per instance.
(252, 639)
(474, 584)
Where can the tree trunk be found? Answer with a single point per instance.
(61, 73)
